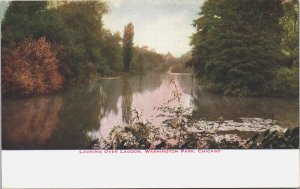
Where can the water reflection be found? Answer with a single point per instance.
(126, 100)
(30, 123)
(71, 119)
(211, 107)
(79, 114)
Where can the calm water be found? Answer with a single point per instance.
(71, 119)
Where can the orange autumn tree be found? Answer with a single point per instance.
(29, 68)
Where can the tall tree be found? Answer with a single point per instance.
(237, 45)
(128, 46)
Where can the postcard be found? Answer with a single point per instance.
(150, 93)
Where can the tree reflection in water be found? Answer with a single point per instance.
(30, 124)
(210, 106)
(126, 100)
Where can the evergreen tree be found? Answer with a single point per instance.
(236, 45)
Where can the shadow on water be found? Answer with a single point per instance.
(211, 107)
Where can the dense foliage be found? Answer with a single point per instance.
(30, 68)
(290, 34)
(237, 48)
(83, 48)
(145, 60)
(180, 65)
(74, 28)
(286, 82)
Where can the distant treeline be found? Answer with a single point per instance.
(49, 45)
(247, 47)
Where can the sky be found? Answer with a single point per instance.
(162, 25)
(3, 7)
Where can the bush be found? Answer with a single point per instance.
(286, 82)
(30, 68)
(137, 135)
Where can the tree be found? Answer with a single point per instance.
(128, 46)
(82, 36)
(29, 67)
(21, 20)
(112, 50)
(237, 45)
(75, 29)
(290, 37)
(145, 60)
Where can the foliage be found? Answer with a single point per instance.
(128, 46)
(137, 135)
(177, 119)
(112, 51)
(236, 45)
(180, 66)
(286, 82)
(84, 48)
(290, 37)
(84, 40)
(21, 20)
(145, 60)
(30, 68)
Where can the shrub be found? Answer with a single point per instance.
(286, 82)
(30, 67)
(137, 135)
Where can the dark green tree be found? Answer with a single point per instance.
(82, 36)
(75, 30)
(145, 60)
(21, 20)
(290, 37)
(237, 45)
(112, 50)
(128, 46)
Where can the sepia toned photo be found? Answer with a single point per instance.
(150, 74)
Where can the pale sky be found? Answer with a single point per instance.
(163, 25)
